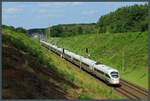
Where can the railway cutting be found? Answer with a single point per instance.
(123, 88)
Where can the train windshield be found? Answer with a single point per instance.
(114, 74)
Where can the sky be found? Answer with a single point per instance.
(44, 14)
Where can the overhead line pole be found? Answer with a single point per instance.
(49, 29)
(123, 60)
(80, 59)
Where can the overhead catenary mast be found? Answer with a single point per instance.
(49, 32)
(49, 29)
(123, 67)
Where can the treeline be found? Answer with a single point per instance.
(19, 29)
(126, 19)
(39, 31)
(72, 29)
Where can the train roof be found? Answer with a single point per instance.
(79, 57)
(87, 61)
(105, 68)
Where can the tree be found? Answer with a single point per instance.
(125, 19)
(21, 30)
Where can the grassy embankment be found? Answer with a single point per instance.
(108, 49)
(85, 87)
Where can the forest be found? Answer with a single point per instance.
(72, 29)
(40, 31)
(125, 19)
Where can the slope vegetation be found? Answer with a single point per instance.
(109, 49)
(31, 71)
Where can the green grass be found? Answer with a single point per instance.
(70, 72)
(64, 86)
(108, 49)
(21, 85)
(84, 96)
(25, 65)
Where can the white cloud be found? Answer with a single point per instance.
(42, 10)
(44, 4)
(53, 4)
(90, 12)
(76, 3)
(12, 10)
(59, 4)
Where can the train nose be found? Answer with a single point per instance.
(115, 81)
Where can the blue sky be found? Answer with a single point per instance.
(43, 14)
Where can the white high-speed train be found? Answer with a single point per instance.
(108, 74)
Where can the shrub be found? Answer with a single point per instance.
(84, 96)
(25, 65)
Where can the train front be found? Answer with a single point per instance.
(114, 75)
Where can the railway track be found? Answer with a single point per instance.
(126, 89)
(131, 90)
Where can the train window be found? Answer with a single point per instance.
(107, 75)
(98, 71)
(115, 76)
(114, 73)
(75, 59)
(85, 64)
(68, 55)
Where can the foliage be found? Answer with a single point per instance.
(21, 30)
(84, 96)
(126, 19)
(9, 27)
(47, 33)
(72, 29)
(40, 31)
(64, 86)
(25, 65)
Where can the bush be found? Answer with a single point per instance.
(25, 65)
(84, 96)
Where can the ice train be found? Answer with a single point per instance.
(108, 74)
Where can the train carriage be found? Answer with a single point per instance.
(108, 74)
